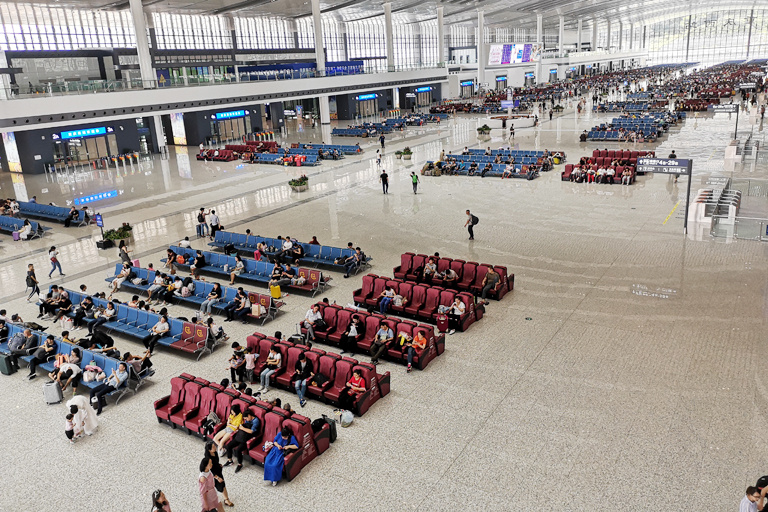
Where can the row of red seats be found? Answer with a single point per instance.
(470, 273)
(338, 319)
(422, 300)
(621, 154)
(338, 369)
(193, 398)
(225, 155)
(606, 161)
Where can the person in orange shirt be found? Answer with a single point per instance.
(418, 343)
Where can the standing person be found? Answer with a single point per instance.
(415, 181)
(381, 139)
(378, 158)
(754, 500)
(471, 222)
(550, 114)
(84, 415)
(202, 149)
(214, 220)
(384, 179)
(159, 501)
(275, 460)
(218, 475)
(512, 132)
(32, 282)
(55, 264)
(201, 227)
(124, 252)
(207, 488)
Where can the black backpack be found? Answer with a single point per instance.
(331, 423)
(475, 220)
(200, 218)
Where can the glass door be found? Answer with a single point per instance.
(112, 142)
(90, 149)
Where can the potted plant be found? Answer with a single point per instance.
(484, 130)
(111, 235)
(407, 153)
(398, 154)
(558, 108)
(299, 184)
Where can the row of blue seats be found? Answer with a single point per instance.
(44, 211)
(496, 171)
(202, 289)
(614, 135)
(343, 148)
(11, 224)
(314, 254)
(489, 159)
(516, 153)
(308, 152)
(349, 132)
(255, 271)
(133, 323)
(107, 364)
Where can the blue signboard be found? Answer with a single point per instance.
(87, 132)
(230, 115)
(99, 220)
(95, 197)
(364, 97)
(663, 165)
(501, 78)
(529, 75)
(467, 83)
(552, 71)
(423, 89)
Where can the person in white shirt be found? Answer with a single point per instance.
(611, 172)
(454, 314)
(159, 330)
(311, 319)
(185, 243)
(754, 501)
(113, 382)
(202, 149)
(213, 220)
(284, 253)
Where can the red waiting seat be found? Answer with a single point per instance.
(431, 302)
(191, 401)
(207, 404)
(406, 261)
(366, 290)
(273, 423)
(468, 275)
(417, 266)
(327, 367)
(284, 380)
(378, 287)
(167, 405)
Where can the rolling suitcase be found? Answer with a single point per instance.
(16, 236)
(275, 292)
(135, 263)
(6, 365)
(52, 393)
(442, 322)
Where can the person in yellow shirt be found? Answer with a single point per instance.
(233, 422)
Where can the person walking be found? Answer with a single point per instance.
(160, 502)
(470, 224)
(378, 158)
(550, 114)
(384, 179)
(53, 255)
(512, 132)
(207, 487)
(381, 139)
(415, 181)
(32, 282)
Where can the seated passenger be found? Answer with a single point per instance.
(418, 343)
(355, 387)
(234, 421)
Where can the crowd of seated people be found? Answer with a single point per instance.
(587, 171)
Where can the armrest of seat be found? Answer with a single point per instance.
(190, 413)
(162, 402)
(175, 408)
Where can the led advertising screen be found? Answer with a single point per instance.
(501, 54)
(12, 152)
(177, 127)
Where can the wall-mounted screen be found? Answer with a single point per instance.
(364, 97)
(467, 83)
(501, 78)
(229, 115)
(501, 54)
(87, 132)
(177, 127)
(12, 152)
(423, 89)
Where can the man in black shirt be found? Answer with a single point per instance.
(384, 179)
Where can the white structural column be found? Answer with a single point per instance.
(319, 51)
(540, 40)
(480, 47)
(561, 36)
(440, 36)
(608, 35)
(578, 34)
(142, 45)
(621, 35)
(594, 34)
(631, 36)
(390, 41)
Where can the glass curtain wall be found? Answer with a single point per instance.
(715, 37)
(366, 39)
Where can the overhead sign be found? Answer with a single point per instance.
(530, 75)
(501, 78)
(552, 71)
(87, 132)
(467, 83)
(364, 97)
(728, 108)
(663, 165)
(410, 95)
(95, 197)
(99, 220)
(501, 54)
(748, 85)
(423, 89)
(510, 103)
(230, 115)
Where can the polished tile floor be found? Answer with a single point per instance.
(624, 371)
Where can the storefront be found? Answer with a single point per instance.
(530, 79)
(553, 75)
(467, 88)
(366, 105)
(501, 83)
(232, 125)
